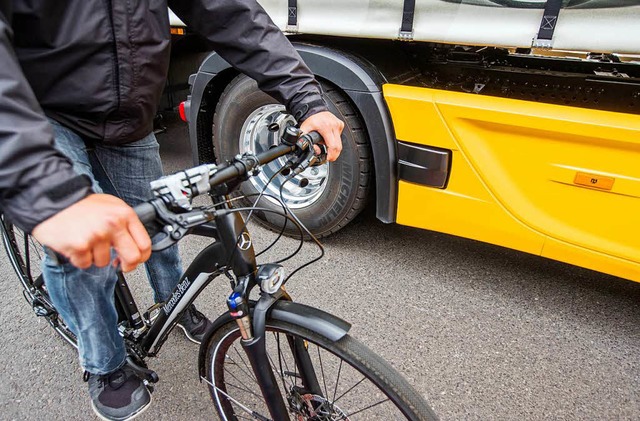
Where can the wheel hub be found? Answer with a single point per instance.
(310, 407)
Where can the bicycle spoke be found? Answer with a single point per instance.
(254, 414)
(249, 370)
(244, 389)
(37, 247)
(282, 372)
(324, 378)
(349, 390)
(292, 372)
(335, 390)
(368, 407)
(276, 372)
(235, 377)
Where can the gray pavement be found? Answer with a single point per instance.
(483, 332)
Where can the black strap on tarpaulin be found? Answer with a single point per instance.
(408, 12)
(292, 13)
(549, 22)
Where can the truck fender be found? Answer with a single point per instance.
(359, 80)
(310, 318)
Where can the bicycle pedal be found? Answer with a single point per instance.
(41, 309)
(150, 386)
(146, 374)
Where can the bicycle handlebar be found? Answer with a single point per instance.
(148, 211)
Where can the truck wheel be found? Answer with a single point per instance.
(246, 119)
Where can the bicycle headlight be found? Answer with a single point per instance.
(270, 277)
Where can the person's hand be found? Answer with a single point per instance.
(330, 127)
(86, 231)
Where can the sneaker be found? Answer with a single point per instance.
(119, 395)
(194, 324)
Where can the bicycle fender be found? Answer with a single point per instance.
(301, 315)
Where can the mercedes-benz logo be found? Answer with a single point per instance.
(244, 242)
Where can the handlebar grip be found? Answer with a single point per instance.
(147, 214)
(319, 158)
(313, 137)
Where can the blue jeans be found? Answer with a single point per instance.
(85, 298)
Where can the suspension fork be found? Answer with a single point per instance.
(254, 341)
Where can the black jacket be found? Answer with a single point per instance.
(99, 67)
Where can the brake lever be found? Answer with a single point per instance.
(305, 162)
(320, 158)
(307, 156)
(176, 226)
(311, 159)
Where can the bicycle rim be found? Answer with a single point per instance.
(355, 384)
(26, 254)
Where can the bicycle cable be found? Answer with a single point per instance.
(252, 208)
(301, 227)
(281, 233)
(299, 223)
(283, 214)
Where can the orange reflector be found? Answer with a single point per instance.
(594, 180)
(177, 31)
(183, 115)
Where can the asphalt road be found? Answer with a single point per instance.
(483, 332)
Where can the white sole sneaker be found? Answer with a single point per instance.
(188, 335)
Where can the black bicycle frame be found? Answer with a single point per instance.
(233, 248)
(206, 266)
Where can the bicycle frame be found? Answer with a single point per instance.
(206, 266)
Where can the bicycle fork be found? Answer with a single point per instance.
(252, 324)
(253, 330)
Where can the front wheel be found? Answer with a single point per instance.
(320, 380)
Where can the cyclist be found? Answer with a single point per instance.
(89, 72)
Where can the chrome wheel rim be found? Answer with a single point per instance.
(262, 130)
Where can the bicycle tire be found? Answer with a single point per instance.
(25, 255)
(226, 364)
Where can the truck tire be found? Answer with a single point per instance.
(247, 119)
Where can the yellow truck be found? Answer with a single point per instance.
(513, 122)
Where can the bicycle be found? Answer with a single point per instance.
(264, 359)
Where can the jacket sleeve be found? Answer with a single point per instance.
(36, 181)
(246, 37)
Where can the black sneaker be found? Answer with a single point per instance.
(119, 395)
(194, 324)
